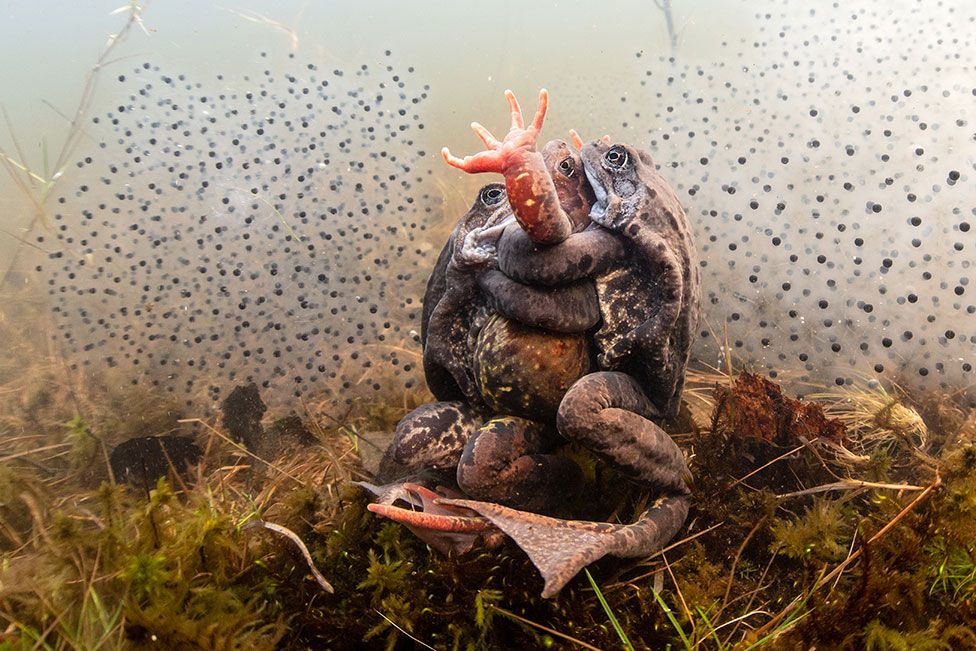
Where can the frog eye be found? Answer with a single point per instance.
(492, 195)
(567, 167)
(617, 157)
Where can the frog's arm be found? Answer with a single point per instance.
(530, 188)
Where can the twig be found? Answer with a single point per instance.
(397, 627)
(240, 447)
(45, 448)
(33, 178)
(23, 241)
(752, 598)
(261, 19)
(292, 536)
(849, 552)
(677, 589)
(850, 484)
(35, 512)
(350, 430)
(735, 562)
(663, 551)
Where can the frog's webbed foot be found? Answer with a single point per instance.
(501, 155)
(561, 548)
(445, 527)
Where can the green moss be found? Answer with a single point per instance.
(147, 575)
(82, 444)
(878, 637)
(821, 533)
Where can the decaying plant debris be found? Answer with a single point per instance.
(844, 521)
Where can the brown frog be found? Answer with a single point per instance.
(480, 361)
(614, 224)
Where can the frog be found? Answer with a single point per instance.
(618, 225)
(497, 380)
(467, 296)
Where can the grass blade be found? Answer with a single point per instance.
(609, 611)
(674, 622)
(711, 630)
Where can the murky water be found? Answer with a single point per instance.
(256, 193)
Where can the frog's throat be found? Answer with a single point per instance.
(598, 211)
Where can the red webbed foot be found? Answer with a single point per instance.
(504, 154)
(446, 528)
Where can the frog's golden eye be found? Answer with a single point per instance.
(617, 157)
(492, 194)
(567, 167)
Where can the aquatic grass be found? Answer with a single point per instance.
(953, 571)
(710, 630)
(672, 619)
(875, 416)
(545, 629)
(260, 19)
(609, 611)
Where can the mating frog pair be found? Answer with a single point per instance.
(562, 308)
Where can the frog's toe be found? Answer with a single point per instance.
(575, 137)
(540, 114)
(483, 161)
(490, 141)
(390, 493)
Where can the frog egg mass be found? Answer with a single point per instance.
(279, 227)
(264, 230)
(831, 184)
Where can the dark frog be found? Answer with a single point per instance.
(574, 325)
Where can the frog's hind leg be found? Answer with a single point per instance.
(505, 462)
(433, 436)
(561, 548)
(609, 414)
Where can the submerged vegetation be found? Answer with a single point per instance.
(856, 535)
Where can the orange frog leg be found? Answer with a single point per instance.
(530, 188)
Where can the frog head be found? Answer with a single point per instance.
(618, 174)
